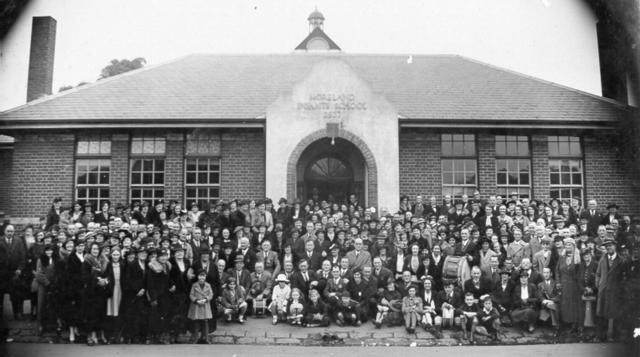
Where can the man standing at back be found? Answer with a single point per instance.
(16, 251)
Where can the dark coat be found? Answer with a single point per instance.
(297, 281)
(609, 281)
(485, 287)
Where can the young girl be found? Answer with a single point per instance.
(411, 309)
(295, 307)
(233, 301)
(279, 297)
(200, 309)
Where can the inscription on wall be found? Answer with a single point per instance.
(331, 105)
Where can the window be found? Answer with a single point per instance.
(93, 166)
(147, 169)
(202, 180)
(459, 164)
(513, 166)
(565, 168)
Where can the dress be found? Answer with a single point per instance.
(113, 302)
(571, 305)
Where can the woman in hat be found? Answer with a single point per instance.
(567, 271)
(53, 216)
(181, 277)
(95, 293)
(200, 295)
(103, 216)
(73, 290)
(160, 289)
(193, 215)
(279, 298)
(114, 272)
(389, 301)
(48, 291)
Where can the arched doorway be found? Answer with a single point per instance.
(331, 171)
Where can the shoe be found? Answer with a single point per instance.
(377, 324)
(358, 323)
(241, 319)
(275, 320)
(531, 329)
(91, 342)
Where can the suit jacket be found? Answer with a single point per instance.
(135, 278)
(606, 219)
(548, 291)
(593, 221)
(260, 285)
(333, 287)
(457, 217)
(539, 261)
(271, 261)
(361, 260)
(455, 300)
(383, 276)
(315, 261)
(16, 253)
(494, 224)
(517, 252)
(502, 296)
(243, 280)
(609, 282)
(297, 281)
(484, 287)
(469, 249)
(532, 301)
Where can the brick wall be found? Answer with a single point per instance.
(6, 159)
(486, 148)
(119, 175)
(540, 166)
(608, 177)
(174, 167)
(43, 169)
(420, 169)
(243, 165)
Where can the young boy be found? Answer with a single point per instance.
(316, 311)
(488, 319)
(468, 311)
(347, 311)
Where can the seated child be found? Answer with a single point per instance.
(295, 307)
(488, 319)
(233, 301)
(411, 309)
(468, 311)
(347, 311)
(315, 311)
(279, 299)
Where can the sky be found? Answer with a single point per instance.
(553, 40)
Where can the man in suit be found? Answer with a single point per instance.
(311, 255)
(381, 274)
(334, 287)
(197, 242)
(612, 215)
(268, 258)
(432, 209)
(358, 258)
(304, 279)
(518, 249)
(593, 217)
(477, 285)
(16, 259)
(488, 220)
(458, 214)
(609, 282)
(542, 258)
(260, 291)
(447, 303)
(246, 253)
(549, 296)
(240, 274)
(283, 214)
(493, 271)
(466, 248)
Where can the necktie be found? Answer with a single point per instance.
(306, 278)
(238, 279)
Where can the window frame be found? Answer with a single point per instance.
(100, 158)
(154, 156)
(464, 188)
(569, 158)
(506, 156)
(196, 186)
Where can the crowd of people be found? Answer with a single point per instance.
(151, 271)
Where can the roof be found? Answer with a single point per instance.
(317, 32)
(239, 88)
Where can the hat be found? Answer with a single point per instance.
(345, 294)
(612, 205)
(523, 273)
(141, 250)
(201, 272)
(503, 272)
(545, 239)
(282, 200)
(608, 240)
(334, 246)
(569, 240)
(177, 247)
(558, 218)
(282, 278)
(239, 258)
(204, 250)
(237, 229)
(164, 252)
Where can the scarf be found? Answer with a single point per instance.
(96, 267)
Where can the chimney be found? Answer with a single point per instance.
(43, 44)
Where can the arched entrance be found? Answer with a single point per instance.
(332, 172)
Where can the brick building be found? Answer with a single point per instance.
(317, 122)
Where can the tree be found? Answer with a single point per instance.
(121, 66)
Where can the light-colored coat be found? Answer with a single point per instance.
(358, 262)
(197, 311)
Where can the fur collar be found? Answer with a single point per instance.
(158, 267)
